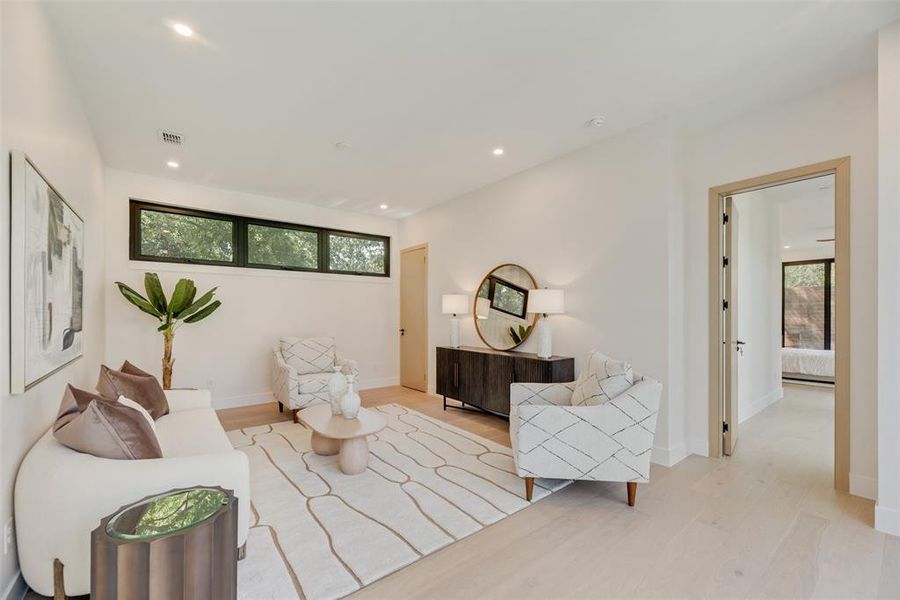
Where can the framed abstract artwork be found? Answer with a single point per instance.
(46, 277)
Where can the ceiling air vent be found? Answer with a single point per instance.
(170, 137)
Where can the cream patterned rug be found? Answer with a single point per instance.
(317, 533)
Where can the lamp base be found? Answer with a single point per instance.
(454, 332)
(544, 339)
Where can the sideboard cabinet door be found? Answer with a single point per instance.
(500, 373)
(447, 380)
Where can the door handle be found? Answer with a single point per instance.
(402, 331)
(739, 346)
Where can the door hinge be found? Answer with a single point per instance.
(724, 261)
(724, 218)
(724, 427)
(724, 304)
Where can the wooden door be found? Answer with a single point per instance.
(732, 346)
(414, 318)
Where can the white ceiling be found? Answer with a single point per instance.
(422, 92)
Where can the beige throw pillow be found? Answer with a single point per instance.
(133, 383)
(102, 427)
(601, 380)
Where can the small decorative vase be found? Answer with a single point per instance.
(350, 402)
(337, 387)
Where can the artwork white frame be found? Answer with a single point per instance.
(39, 346)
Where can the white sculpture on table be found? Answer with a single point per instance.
(337, 387)
(351, 401)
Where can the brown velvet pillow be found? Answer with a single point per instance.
(103, 427)
(133, 383)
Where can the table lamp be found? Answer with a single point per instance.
(454, 304)
(545, 302)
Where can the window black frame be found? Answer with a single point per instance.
(240, 240)
(827, 262)
(492, 288)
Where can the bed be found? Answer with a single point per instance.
(807, 365)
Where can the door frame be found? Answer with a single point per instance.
(400, 314)
(840, 168)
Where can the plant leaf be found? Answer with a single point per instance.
(181, 296)
(204, 299)
(203, 313)
(155, 293)
(164, 326)
(138, 300)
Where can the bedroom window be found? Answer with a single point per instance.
(807, 304)
(164, 233)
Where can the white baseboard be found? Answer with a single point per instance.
(887, 520)
(16, 589)
(700, 447)
(760, 404)
(669, 457)
(378, 382)
(863, 486)
(264, 397)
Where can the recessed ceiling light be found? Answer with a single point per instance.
(342, 146)
(498, 151)
(598, 121)
(383, 207)
(787, 247)
(182, 29)
(172, 164)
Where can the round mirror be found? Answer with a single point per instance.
(500, 305)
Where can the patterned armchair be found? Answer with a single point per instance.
(607, 442)
(301, 369)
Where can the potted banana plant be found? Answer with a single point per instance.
(182, 307)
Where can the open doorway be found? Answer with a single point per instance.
(779, 335)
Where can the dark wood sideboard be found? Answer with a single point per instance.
(480, 377)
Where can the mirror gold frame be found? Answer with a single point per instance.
(530, 320)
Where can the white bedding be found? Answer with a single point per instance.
(807, 362)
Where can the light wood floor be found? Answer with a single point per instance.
(763, 523)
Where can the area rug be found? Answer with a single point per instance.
(317, 533)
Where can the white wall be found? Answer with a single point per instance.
(887, 512)
(793, 254)
(759, 302)
(834, 122)
(596, 223)
(229, 352)
(42, 116)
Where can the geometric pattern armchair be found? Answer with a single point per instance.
(612, 441)
(301, 370)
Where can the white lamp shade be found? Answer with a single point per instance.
(548, 302)
(482, 308)
(454, 304)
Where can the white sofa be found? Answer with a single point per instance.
(61, 494)
(299, 390)
(607, 442)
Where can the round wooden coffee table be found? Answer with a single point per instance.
(347, 437)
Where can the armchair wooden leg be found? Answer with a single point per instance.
(632, 492)
(59, 584)
(280, 407)
(294, 412)
(529, 488)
